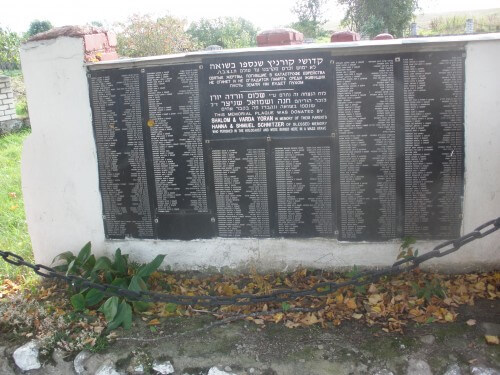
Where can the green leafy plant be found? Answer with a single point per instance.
(354, 273)
(430, 289)
(117, 272)
(406, 249)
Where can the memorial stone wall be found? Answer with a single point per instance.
(283, 144)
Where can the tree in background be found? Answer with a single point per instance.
(37, 27)
(372, 17)
(9, 49)
(226, 32)
(141, 35)
(310, 15)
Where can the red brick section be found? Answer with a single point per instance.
(100, 45)
(383, 36)
(345, 36)
(279, 37)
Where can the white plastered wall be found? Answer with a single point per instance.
(63, 204)
(59, 175)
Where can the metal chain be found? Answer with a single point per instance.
(281, 295)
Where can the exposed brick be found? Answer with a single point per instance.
(5, 90)
(10, 95)
(95, 42)
(10, 112)
(5, 118)
(3, 96)
(383, 36)
(106, 56)
(2, 85)
(111, 39)
(4, 107)
(345, 36)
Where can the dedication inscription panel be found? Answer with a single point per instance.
(283, 144)
(255, 96)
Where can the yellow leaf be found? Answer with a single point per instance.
(372, 289)
(374, 299)
(258, 321)
(278, 317)
(471, 322)
(290, 324)
(339, 298)
(351, 303)
(153, 322)
(449, 317)
(310, 319)
(357, 316)
(492, 340)
(480, 286)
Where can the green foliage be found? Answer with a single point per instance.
(456, 24)
(37, 27)
(226, 32)
(142, 35)
(406, 249)
(13, 232)
(310, 17)
(9, 49)
(354, 273)
(429, 289)
(285, 306)
(116, 310)
(22, 107)
(372, 17)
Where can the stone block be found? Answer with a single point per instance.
(383, 36)
(279, 37)
(345, 36)
(111, 39)
(95, 42)
(3, 96)
(3, 107)
(5, 118)
(105, 56)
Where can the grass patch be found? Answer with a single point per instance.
(13, 230)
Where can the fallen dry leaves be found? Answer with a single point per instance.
(391, 302)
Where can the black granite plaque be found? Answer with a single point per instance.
(283, 144)
(117, 118)
(176, 141)
(303, 186)
(366, 120)
(433, 90)
(241, 189)
(275, 94)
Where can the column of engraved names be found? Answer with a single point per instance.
(174, 115)
(304, 195)
(120, 148)
(241, 192)
(367, 148)
(433, 99)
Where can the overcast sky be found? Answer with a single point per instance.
(17, 14)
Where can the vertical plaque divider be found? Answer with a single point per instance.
(335, 153)
(400, 144)
(207, 150)
(271, 188)
(148, 151)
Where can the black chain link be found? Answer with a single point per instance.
(362, 278)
